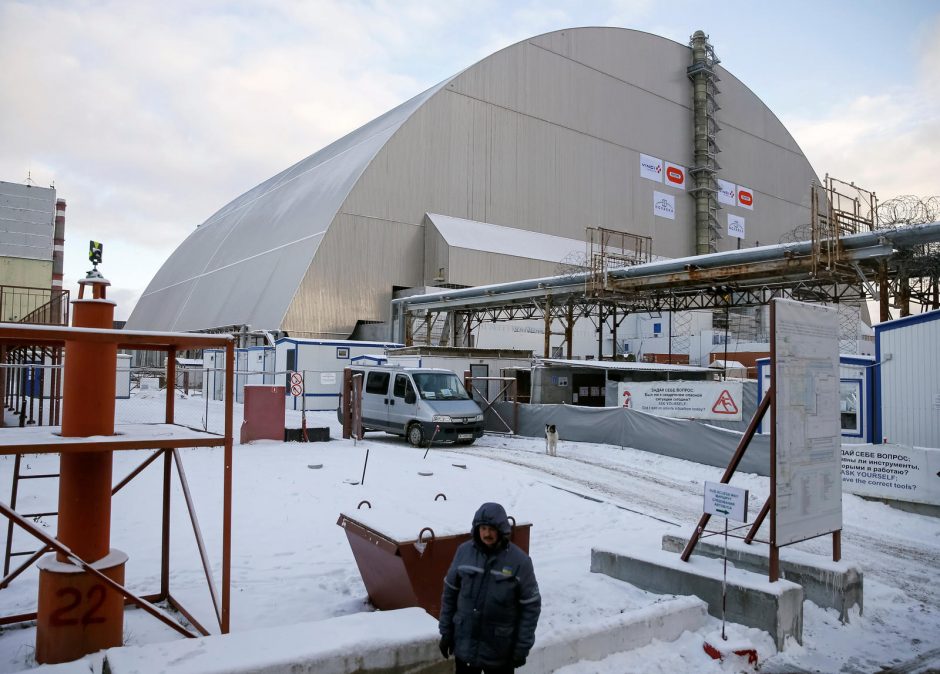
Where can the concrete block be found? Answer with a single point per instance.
(752, 600)
(828, 584)
(380, 642)
(665, 621)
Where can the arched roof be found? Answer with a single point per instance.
(243, 265)
(544, 135)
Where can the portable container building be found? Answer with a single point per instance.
(253, 365)
(478, 362)
(321, 362)
(907, 381)
(596, 383)
(856, 398)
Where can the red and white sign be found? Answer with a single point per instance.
(675, 176)
(725, 404)
(716, 400)
(296, 384)
(745, 198)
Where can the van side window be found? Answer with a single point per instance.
(402, 385)
(377, 382)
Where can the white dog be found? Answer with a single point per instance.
(551, 440)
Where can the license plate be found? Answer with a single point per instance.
(464, 436)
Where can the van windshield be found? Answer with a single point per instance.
(439, 386)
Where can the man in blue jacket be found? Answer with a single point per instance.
(491, 601)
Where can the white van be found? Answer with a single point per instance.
(418, 404)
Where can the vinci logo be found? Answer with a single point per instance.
(651, 168)
(745, 198)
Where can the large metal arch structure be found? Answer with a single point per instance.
(547, 135)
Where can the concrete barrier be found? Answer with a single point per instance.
(383, 642)
(665, 621)
(752, 600)
(379, 642)
(828, 584)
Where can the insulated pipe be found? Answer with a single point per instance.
(901, 237)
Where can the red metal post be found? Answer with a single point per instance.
(77, 613)
(170, 385)
(347, 403)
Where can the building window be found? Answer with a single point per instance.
(850, 393)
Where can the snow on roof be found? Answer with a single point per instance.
(719, 363)
(488, 238)
(621, 365)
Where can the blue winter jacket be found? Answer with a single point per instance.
(491, 601)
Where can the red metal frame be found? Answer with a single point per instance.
(19, 441)
(402, 574)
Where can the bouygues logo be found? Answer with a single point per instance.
(675, 175)
(745, 197)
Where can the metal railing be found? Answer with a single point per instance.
(42, 306)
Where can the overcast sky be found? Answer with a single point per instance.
(150, 116)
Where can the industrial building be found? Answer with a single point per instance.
(494, 175)
(32, 238)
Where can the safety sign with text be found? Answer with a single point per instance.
(724, 500)
(715, 400)
(894, 472)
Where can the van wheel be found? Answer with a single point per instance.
(416, 435)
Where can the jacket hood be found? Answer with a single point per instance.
(494, 515)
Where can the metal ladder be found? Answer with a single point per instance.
(9, 553)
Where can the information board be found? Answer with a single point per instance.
(808, 451)
(715, 400)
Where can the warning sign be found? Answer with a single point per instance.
(296, 383)
(725, 404)
(715, 400)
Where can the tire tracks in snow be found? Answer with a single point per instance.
(604, 479)
(876, 552)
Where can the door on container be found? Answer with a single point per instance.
(480, 370)
(268, 366)
(290, 356)
(375, 400)
(589, 387)
(241, 374)
(402, 405)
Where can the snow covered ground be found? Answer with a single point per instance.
(292, 563)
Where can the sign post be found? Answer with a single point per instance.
(298, 388)
(730, 503)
